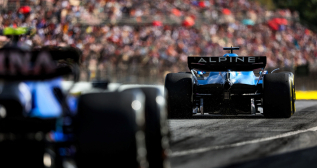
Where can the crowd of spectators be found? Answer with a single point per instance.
(161, 34)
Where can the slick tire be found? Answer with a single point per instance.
(278, 95)
(179, 95)
(156, 126)
(293, 89)
(109, 129)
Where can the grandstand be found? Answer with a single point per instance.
(141, 40)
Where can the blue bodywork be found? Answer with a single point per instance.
(37, 99)
(45, 103)
(243, 77)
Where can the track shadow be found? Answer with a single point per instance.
(301, 158)
(208, 116)
(258, 116)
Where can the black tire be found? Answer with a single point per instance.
(108, 130)
(277, 95)
(156, 126)
(293, 89)
(179, 95)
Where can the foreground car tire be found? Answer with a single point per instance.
(156, 125)
(110, 130)
(179, 95)
(278, 101)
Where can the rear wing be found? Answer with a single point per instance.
(69, 54)
(39, 64)
(220, 63)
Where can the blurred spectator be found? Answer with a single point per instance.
(177, 28)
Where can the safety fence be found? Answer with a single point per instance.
(137, 74)
(130, 74)
(306, 82)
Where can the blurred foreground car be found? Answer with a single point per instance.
(43, 125)
(230, 88)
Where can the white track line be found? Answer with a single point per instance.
(201, 150)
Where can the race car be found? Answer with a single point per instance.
(228, 85)
(44, 124)
(32, 103)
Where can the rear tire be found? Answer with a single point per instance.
(179, 95)
(293, 89)
(156, 126)
(109, 127)
(277, 98)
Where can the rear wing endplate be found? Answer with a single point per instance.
(220, 63)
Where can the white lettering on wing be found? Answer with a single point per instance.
(2, 63)
(16, 62)
(43, 60)
(202, 60)
(222, 59)
(210, 60)
(26, 61)
(240, 59)
(251, 59)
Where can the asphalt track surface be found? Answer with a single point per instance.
(246, 141)
(242, 141)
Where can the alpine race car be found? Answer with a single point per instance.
(43, 124)
(228, 85)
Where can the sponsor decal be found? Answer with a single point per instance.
(13, 62)
(227, 59)
(202, 60)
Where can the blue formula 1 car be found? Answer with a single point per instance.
(43, 125)
(227, 85)
(33, 106)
